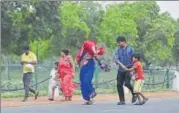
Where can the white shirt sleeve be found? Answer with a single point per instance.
(52, 73)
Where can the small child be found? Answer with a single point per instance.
(139, 78)
(55, 81)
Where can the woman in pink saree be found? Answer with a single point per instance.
(66, 70)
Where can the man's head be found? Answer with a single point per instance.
(135, 57)
(26, 50)
(121, 40)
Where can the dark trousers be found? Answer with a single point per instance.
(123, 78)
(27, 77)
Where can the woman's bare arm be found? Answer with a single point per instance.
(72, 64)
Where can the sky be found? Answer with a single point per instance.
(170, 6)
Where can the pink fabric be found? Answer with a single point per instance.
(90, 47)
(65, 71)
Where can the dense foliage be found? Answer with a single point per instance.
(49, 26)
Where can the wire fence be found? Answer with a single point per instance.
(11, 78)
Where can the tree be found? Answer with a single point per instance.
(121, 19)
(176, 44)
(160, 39)
(94, 13)
(73, 30)
(150, 33)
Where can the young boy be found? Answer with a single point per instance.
(139, 79)
(55, 81)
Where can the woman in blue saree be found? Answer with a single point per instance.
(87, 68)
(86, 60)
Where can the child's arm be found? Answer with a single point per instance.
(130, 69)
(56, 75)
(121, 65)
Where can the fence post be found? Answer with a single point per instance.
(168, 82)
(36, 79)
(96, 74)
(9, 78)
(36, 69)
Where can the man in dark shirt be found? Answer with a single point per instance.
(124, 55)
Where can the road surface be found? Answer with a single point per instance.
(167, 105)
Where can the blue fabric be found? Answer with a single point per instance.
(124, 55)
(86, 77)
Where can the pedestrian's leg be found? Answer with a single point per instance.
(53, 93)
(90, 90)
(32, 90)
(25, 88)
(69, 87)
(129, 86)
(138, 97)
(120, 89)
(88, 84)
(27, 83)
(140, 89)
(83, 86)
(144, 99)
(142, 96)
(65, 84)
(88, 81)
(128, 82)
(29, 78)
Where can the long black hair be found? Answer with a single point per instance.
(66, 51)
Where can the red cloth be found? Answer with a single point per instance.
(65, 71)
(90, 47)
(138, 71)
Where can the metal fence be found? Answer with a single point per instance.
(11, 78)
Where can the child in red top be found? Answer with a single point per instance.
(139, 78)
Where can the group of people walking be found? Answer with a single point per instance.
(64, 72)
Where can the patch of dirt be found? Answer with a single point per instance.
(16, 102)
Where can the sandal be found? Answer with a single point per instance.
(51, 99)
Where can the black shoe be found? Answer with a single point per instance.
(25, 99)
(134, 99)
(36, 95)
(121, 103)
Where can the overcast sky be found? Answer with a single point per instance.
(170, 6)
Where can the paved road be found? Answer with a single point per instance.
(169, 105)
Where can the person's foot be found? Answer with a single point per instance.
(25, 99)
(138, 103)
(51, 99)
(36, 95)
(135, 102)
(134, 99)
(93, 95)
(144, 101)
(64, 99)
(121, 103)
(69, 99)
(88, 102)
